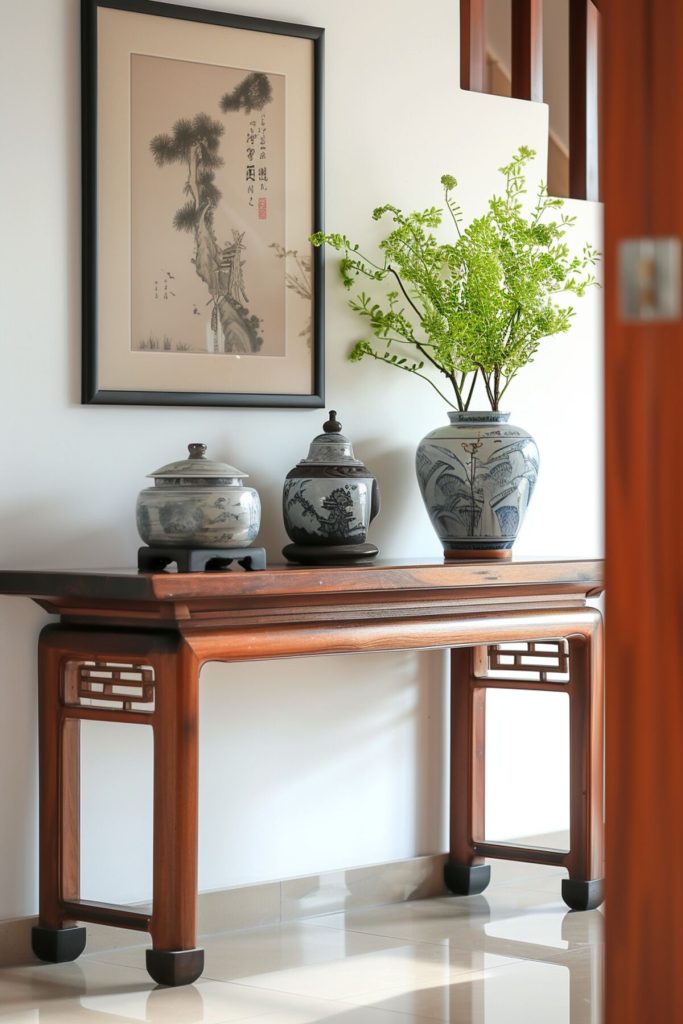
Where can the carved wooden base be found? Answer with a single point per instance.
(466, 879)
(57, 945)
(175, 967)
(476, 554)
(333, 554)
(155, 559)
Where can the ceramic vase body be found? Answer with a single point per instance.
(198, 503)
(477, 475)
(220, 514)
(329, 505)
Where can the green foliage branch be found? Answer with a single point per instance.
(477, 307)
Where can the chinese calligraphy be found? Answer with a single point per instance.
(256, 177)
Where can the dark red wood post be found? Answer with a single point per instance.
(527, 50)
(584, 50)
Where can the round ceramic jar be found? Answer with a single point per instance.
(197, 503)
(329, 498)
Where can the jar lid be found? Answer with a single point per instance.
(197, 466)
(331, 448)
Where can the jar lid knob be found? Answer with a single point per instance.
(332, 426)
(196, 450)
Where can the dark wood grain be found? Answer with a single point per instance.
(586, 753)
(176, 767)
(128, 585)
(527, 50)
(642, 172)
(59, 806)
(467, 771)
(585, 688)
(584, 87)
(105, 640)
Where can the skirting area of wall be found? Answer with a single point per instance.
(250, 906)
(291, 899)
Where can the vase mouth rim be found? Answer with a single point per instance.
(478, 416)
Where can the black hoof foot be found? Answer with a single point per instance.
(582, 895)
(175, 967)
(57, 945)
(466, 880)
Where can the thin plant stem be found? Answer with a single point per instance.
(417, 373)
(474, 381)
(405, 293)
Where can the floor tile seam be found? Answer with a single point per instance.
(467, 947)
(249, 1016)
(328, 927)
(463, 974)
(313, 921)
(277, 991)
(90, 957)
(356, 909)
(555, 958)
(207, 937)
(336, 1001)
(424, 1015)
(344, 1005)
(534, 891)
(395, 938)
(525, 884)
(101, 958)
(555, 955)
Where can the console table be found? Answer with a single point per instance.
(129, 647)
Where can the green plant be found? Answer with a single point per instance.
(477, 307)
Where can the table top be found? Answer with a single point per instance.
(576, 576)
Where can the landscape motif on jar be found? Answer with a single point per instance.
(200, 517)
(480, 486)
(327, 511)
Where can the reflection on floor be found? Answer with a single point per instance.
(514, 955)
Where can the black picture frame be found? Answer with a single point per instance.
(92, 391)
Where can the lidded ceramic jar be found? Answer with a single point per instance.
(330, 498)
(198, 503)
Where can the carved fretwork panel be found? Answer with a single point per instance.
(113, 686)
(546, 661)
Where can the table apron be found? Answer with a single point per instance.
(265, 643)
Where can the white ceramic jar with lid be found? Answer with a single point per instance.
(198, 503)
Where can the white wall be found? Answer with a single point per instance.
(306, 765)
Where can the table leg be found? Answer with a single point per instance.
(583, 890)
(174, 958)
(131, 676)
(465, 872)
(55, 938)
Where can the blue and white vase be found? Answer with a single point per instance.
(477, 476)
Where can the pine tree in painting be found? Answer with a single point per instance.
(195, 144)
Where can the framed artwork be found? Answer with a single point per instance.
(202, 181)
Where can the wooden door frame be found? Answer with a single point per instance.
(642, 169)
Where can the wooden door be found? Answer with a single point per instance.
(642, 166)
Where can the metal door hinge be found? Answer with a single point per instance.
(650, 279)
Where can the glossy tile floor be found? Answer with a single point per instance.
(513, 955)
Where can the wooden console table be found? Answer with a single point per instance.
(130, 646)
